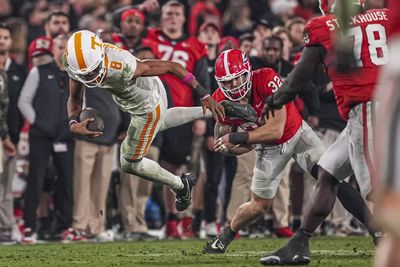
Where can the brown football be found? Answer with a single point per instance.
(97, 124)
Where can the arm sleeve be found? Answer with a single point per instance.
(300, 75)
(4, 101)
(28, 94)
(201, 73)
(311, 98)
(210, 127)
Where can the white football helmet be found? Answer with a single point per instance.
(85, 58)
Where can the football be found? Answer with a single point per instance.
(97, 124)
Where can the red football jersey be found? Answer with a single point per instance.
(395, 19)
(369, 32)
(265, 82)
(184, 51)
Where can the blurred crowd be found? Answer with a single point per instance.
(56, 186)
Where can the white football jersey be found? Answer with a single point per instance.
(136, 96)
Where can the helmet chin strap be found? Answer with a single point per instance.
(96, 83)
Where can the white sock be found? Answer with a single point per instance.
(151, 170)
(180, 115)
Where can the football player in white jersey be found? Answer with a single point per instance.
(137, 89)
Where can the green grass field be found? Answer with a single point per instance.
(326, 252)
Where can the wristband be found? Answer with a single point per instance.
(204, 97)
(72, 120)
(238, 138)
(188, 79)
(201, 91)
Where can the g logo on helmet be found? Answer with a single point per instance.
(85, 58)
(245, 58)
(306, 38)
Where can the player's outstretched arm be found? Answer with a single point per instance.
(155, 67)
(74, 107)
(310, 59)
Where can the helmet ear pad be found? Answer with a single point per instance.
(229, 65)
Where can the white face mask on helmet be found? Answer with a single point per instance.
(85, 58)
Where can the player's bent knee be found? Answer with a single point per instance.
(131, 166)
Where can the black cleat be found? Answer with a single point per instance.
(291, 254)
(221, 242)
(215, 247)
(242, 111)
(183, 197)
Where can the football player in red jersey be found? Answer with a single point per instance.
(351, 153)
(174, 45)
(277, 140)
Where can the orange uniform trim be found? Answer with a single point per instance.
(78, 51)
(153, 128)
(142, 136)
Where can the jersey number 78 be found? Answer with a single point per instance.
(377, 45)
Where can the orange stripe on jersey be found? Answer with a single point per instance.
(108, 45)
(153, 128)
(78, 50)
(142, 136)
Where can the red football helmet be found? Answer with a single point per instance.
(328, 6)
(229, 65)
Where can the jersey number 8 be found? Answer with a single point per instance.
(116, 65)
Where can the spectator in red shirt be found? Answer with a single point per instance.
(174, 45)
